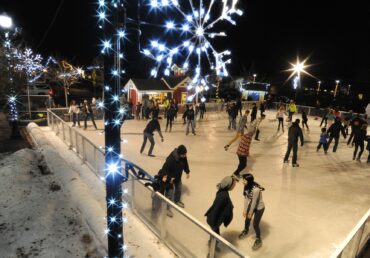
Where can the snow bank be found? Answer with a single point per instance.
(79, 192)
(36, 221)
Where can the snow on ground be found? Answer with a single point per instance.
(87, 192)
(309, 210)
(37, 219)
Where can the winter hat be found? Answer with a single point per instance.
(225, 183)
(181, 150)
(297, 121)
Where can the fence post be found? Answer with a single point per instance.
(57, 123)
(64, 136)
(70, 137)
(83, 150)
(212, 247)
(48, 117)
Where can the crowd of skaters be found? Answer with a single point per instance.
(170, 175)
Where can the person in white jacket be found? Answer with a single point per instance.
(280, 116)
(74, 109)
(253, 205)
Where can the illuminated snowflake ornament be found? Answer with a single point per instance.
(30, 63)
(194, 24)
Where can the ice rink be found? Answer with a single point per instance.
(309, 210)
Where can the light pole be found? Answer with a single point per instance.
(336, 88)
(349, 87)
(298, 68)
(6, 24)
(254, 77)
(318, 87)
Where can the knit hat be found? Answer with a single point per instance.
(225, 183)
(181, 150)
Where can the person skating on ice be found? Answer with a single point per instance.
(323, 140)
(148, 133)
(254, 112)
(280, 116)
(190, 115)
(304, 120)
(253, 206)
(256, 125)
(170, 116)
(294, 133)
(240, 129)
(334, 133)
(359, 140)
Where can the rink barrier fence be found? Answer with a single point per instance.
(183, 234)
(356, 241)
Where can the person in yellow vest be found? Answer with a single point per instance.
(166, 105)
(292, 108)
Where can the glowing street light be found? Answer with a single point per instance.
(318, 86)
(5, 21)
(336, 88)
(349, 87)
(254, 77)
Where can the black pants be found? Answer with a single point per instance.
(361, 145)
(322, 121)
(91, 115)
(368, 157)
(324, 144)
(257, 134)
(201, 114)
(351, 138)
(148, 136)
(253, 118)
(256, 222)
(336, 141)
(304, 123)
(290, 115)
(281, 122)
(291, 146)
(242, 164)
(169, 122)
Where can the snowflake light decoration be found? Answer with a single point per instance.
(195, 23)
(30, 63)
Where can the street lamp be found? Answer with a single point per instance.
(254, 77)
(318, 87)
(336, 88)
(6, 22)
(349, 87)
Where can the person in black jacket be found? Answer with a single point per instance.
(233, 113)
(294, 133)
(359, 141)
(304, 120)
(170, 116)
(175, 164)
(334, 133)
(356, 125)
(189, 115)
(88, 112)
(152, 126)
(368, 147)
(239, 106)
(202, 109)
(254, 112)
(221, 211)
(155, 111)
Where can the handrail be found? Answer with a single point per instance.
(337, 253)
(143, 175)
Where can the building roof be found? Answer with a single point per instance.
(150, 85)
(174, 81)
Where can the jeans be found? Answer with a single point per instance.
(242, 164)
(324, 144)
(201, 114)
(291, 146)
(232, 123)
(75, 117)
(169, 122)
(336, 141)
(190, 122)
(148, 136)
(256, 222)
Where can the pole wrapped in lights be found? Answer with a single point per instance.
(112, 24)
(195, 26)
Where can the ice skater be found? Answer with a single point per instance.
(190, 115)
(170, 116)
(294, 133)
(359, 141)
(233, 113)
(174, 166)
(254, 112)
(243, 151)
(88, 113)
(74, 109)
(323, 140)
(257, 125)
(221, 211)
(152, 126)
(280, 116)
(304, 120)
(253, 205)
(240, 129)
(292, 108)
(334, 133)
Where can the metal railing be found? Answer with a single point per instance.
(182, 233)
(356, 241)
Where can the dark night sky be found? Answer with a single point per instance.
(335, 35)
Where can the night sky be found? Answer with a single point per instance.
(272, 33)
